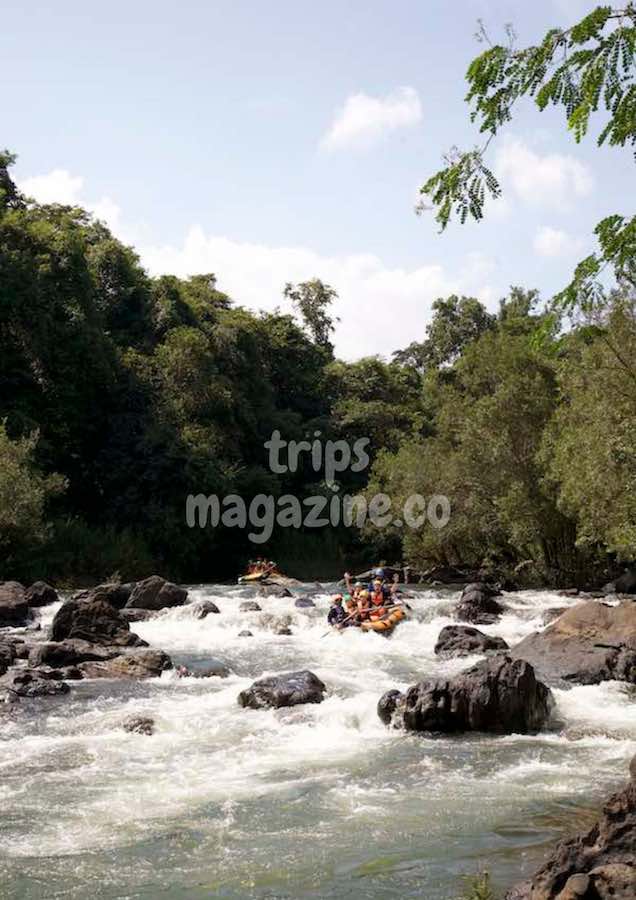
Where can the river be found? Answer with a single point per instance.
(311, 802)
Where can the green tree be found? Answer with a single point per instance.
(456, 322)
(312, 299)
(590, 448)
(24, 494)
(587, 71)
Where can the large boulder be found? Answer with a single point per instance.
(156, 593)
(588, 643)
(462, 640)
(498, 695)
(69, 653)
(137, 663)
(624, 584)
(288, 689)
(95, 621)
(112, 592)
(594, 865)
(41, 594)
(14, 609)
(478, 604)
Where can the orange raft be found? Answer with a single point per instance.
(387, 623)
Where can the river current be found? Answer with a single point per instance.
(316, 801)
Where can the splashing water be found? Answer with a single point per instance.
(314, 801)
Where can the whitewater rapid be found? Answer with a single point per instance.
(313, 801)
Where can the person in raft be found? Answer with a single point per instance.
(337, 614)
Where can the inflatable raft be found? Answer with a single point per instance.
(387, 623)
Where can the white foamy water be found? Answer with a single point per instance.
(314, 801)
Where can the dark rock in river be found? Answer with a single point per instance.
(288, 689)
(624, 584)
(69, 653)
(137, 663)
(32, 683)
(202, 608)
(589, 643)
(462, 640)
(478, 605)
(112, 592)
(274, 590)
(304, 603)
(139, 724)
(387, 705)
(593, 865)
(283, 631)
(211, 668)
(14, 609)
(93, 620)
(139, 615)
(245, 633)
(499, 695)
(157, 593)
(41, 594)
(7, 655)
(249, 606)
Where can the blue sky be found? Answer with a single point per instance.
(281, 141)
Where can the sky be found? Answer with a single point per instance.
(282, 141)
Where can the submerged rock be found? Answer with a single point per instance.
(95, 621)
(283, 630)
(69, 653)
(498, 695)
(245, 633)
(287, 689)
(137, 663)
(139, 724)
(462, 640)
(7, 656)
(34, 683)
(14, 609)
(594, 865)
(202, 608)
(274, 590)
(478, 605)
(41, 594)
(156, 593)
(249, 606)
(589, 643)
(304, 603)
(388, 704)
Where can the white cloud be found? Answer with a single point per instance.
(59, 186)
(553, 242)
(364, 119)
(381, 308)
(551, 181)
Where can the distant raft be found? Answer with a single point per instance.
(387, 623)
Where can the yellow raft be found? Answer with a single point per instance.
(387, 623)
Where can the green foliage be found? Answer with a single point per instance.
(312, 299)
(590, 449)
(457, 321)
(479, 888)
(24, 494)
(586, 70)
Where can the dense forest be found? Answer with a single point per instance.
(121, 394)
